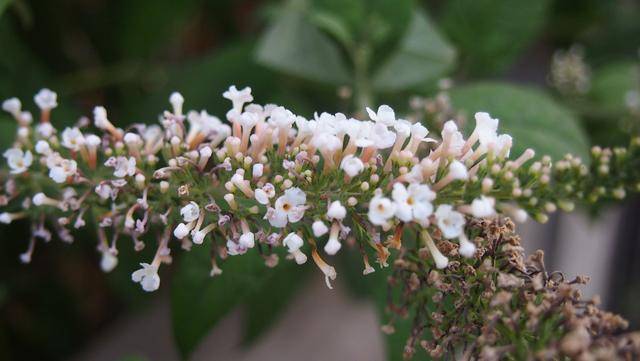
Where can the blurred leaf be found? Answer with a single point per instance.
(530, 116)
(611, 83)
(199, 301)
(269, 301)
(294, 46)
(145, 26)
(424, 55)
(490, 34)
(4, 5)
(377, 20)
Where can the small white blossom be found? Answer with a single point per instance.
(45, 130)
(336, 211)
(483, 207)
(176, 100)
(12, 106)
(238, 97)
(319, 228)
(294, 243)
(486, 128)
(385, 115)
(413, 203)
(104, 190)
(288, 208)
(64, 169)
(124, 167)
(247, 240)
(43, 147)
(108, 262)
(190, 212)
(72, 139)
(18, 160)
(147, 276)
(351, 165)
(458, 171)
(380, 210)
(181, 231)
(257, 170)
(46, 99)
(450, 222)
(235, 249)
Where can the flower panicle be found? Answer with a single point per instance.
(270, 179)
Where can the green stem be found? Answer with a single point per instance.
(362, 86)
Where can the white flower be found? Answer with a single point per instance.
(385, 115)
(235, 249)
(326, 142)
(261, 196)
(336, 211)
(413, 203)
(43, 147)
(6, 218)
(72, 138)
(467, 248)
(238, 97)
(190, 212)
(294, 243)
(182, 230)
(503, 145)
(351, 165)
(108, 262)
(288, 208)
(46, 99)
(382, 137)
(45, 130)
(64, 169)
(247, 240)
(380, 210)
(177, 100)
(147, 276)
(248, 119)
(319, 228)
(483, 207)
(486, 128)
(333, 245)
(281, 118)
(100, 118)
(450, 222)
(458, 171)
(124, 167)
(104, 190)
(18, 160)
(12, 106)
(257, 170)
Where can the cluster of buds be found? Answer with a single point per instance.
(570, 74)
(502, 305)
(284, 185)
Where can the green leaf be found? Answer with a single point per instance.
(611, 83)
(424, 55)
(4, 5)
(294, 46)
(531, 117)
(265, 305)
(490, 34)
(199, 301)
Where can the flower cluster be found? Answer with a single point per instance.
(285, 185)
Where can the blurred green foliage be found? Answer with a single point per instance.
(130, 55)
